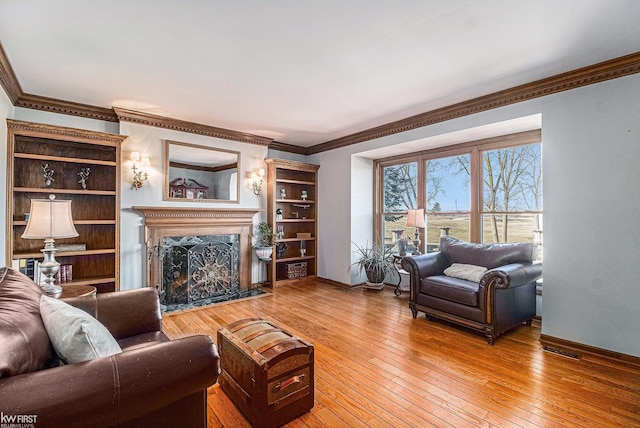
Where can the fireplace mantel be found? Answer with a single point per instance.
(181, 216)
(161, 222)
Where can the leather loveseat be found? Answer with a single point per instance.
(154, 381)
(496, 300)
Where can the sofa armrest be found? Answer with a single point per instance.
(124, 313)
(512, 275)
(112, 390)
(426, 264)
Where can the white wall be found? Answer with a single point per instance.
(591, 167)
(591, 155)
(149, 141)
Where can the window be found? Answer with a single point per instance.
(512, 194)
(400, 194)
(484, 191)
(448, 199)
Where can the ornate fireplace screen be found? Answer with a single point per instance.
(199, 269)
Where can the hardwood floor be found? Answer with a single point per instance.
(375, 366)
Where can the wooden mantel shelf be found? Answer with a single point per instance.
(187, 216)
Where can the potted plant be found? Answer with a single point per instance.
(265, 240)
(375, 261)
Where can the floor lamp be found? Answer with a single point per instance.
(415, 218)
(49, 220)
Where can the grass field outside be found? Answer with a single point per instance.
(521, 228)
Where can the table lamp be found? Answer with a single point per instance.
(50, 219)
(415, 218)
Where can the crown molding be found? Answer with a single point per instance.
(8, 79)
(612, 69)
(47, 131)
(37, 102)
(290, 148)
(193, 128)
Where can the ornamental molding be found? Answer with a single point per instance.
(613, 69)
(191, 127)
(47, 131)
(188, 217)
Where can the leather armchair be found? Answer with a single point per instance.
(153, 382)
(504, 298)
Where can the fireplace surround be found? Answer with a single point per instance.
(198, 255)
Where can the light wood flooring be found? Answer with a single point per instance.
(376, 366)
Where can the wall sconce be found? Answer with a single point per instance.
(258, 179)
(139, 175)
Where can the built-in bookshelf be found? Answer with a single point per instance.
(94, 255)
(292, 209)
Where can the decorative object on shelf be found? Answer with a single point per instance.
(303, 248)
(83, 175)
(304, 207)
(265, 240)
(303, 235)
(415, 218)
(50, 219)
(280, 232)
(279, 214)
(281, 249)
(295, 270)
(303, 195)
(71, 247)
(257, 180)
(375, 261)
(283, 193)
(48, 175)
(139, 174)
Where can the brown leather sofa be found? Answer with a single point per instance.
(504, 298)
(154, 381)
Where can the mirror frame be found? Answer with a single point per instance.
(167, 193)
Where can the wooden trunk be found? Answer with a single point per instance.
(266, 372)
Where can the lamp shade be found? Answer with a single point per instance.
(415, 218)
(49, 218)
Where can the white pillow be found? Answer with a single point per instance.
(471, 273)
(76, 336)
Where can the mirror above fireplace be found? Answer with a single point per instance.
(200, 174)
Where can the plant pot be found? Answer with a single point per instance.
(375, 276)
(264, 253)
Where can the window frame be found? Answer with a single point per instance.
(475, 150)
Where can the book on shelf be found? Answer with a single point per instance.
(65, 274)
(25, 266)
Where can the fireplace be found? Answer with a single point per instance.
(198, 256)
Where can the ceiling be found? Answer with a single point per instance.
(302, 72)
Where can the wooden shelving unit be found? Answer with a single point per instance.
(298, 216)
(96, 210)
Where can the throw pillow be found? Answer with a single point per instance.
(76, 336)
(471, 273)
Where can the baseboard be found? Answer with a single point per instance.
(336, 283)
(580, 348)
